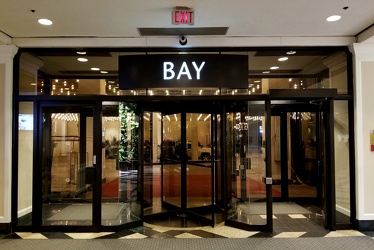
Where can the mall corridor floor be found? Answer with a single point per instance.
(299, 235)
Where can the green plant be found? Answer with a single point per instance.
(128, 144)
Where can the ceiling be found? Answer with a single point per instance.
(119, 18)
(100, 22)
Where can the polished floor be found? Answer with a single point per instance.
(291, 231)
(309, 223)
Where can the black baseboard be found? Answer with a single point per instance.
(365, 225)
(5, 228)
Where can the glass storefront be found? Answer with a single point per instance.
(304, 69)
(200, 154)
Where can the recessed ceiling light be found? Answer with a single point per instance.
(103, 72)
(333, 18)
(95, 69)
(81, 52)
(291, 52)
(81, 59)
(282, 59)
(44, 21)
(274, 67)
(266, 72)
(257, 81)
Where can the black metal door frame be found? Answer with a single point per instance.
(282, 111)
(36, 224)
(323, 100)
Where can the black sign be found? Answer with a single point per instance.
(187, 71)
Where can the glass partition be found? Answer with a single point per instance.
(342, 173)
(245, 163)
(152, 181)
(25, 162)
(120, 168)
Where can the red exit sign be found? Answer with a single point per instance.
(183, 16)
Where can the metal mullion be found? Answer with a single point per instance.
(97, 128)
(213, 139)
(330, 165)
(37, 168)
(223, 161)
(183, 163)
(284, 156)
(269, 193)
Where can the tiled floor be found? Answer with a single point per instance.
(289, 224)
(285, 226)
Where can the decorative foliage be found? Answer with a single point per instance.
(128, 146)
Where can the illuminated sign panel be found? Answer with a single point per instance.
(168, 71)
(183, 16)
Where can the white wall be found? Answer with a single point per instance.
(364, 122)
(6, 79)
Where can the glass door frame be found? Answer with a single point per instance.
(324, 99)
(183, 111)
(282, 112)
(96, 162)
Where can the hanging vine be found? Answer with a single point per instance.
(128, 146)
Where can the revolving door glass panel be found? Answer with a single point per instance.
(171, 160)
(177, 164)
(199, 167)
(245, 164)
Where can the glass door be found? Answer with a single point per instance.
(178, 161)
(298, 164)
(187, 169)
(200, 165)
(171, 161)
(248, 189)
(68, 165)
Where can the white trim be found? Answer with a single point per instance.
(24, 211)
(367, 36)
(343, 210)
(173, 41)
(5, 39)
(358, 136)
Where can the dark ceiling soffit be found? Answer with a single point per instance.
(287, 94)
(260, 76)
(284, 71)
(299, 52)
(64, 52)
(292, 106)
(88, 72)
(202, 31)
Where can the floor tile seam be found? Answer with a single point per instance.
(221, 237)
